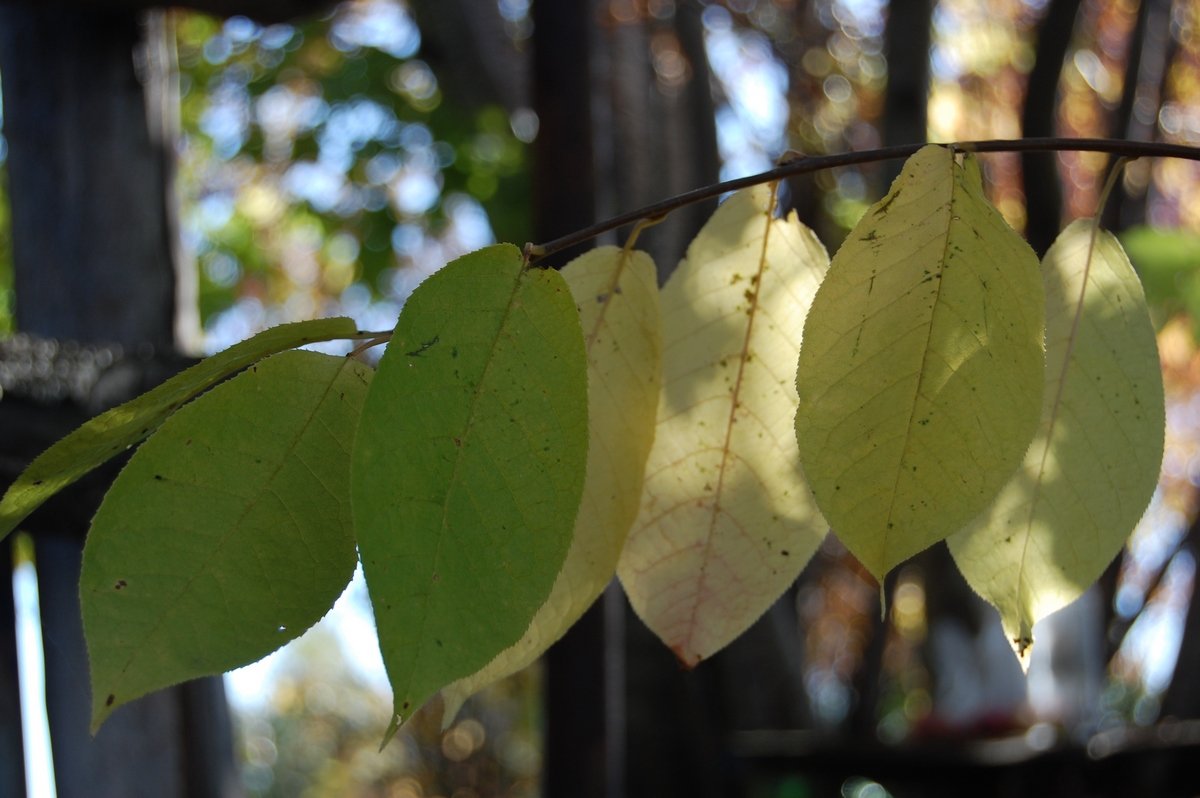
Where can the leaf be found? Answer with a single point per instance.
(229, 531)
(468, 467)
(115, 430)
(726, 522)
(1094, 462)
(920, 377)
(616, 293)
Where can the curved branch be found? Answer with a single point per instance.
(817, 163)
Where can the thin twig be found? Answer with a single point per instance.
(816, 163)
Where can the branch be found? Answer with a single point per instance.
(816, 163)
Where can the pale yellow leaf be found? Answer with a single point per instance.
(617, 296)
(726, 522)
(1094, 462)
(920, 377)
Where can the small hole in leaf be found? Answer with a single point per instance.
(281, 628)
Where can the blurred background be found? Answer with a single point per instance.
(325, 164)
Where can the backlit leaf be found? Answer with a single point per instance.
(468, 467)
(229, 531)
(616, 293)
(115, 430)
(920, 377)
(726, 522)
(1094, 462)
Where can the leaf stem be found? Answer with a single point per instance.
(369, 340)
(1113, 173)
(806, 164)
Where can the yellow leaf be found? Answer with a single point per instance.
(726, 522)
(1094, 463)
(920, 378)
(617, 296)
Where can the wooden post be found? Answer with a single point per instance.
(90, 154)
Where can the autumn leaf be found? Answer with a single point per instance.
(920, 377)
(726, 522)
(1094, 463)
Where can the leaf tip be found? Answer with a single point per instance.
(393, 727)
(1022, 645)
(687, 659)
(101, 712)
(453, 698)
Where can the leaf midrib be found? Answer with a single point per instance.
(948, 209)
(422, 644)
(1052, 421)
(715, 508)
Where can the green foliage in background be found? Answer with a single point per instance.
(327, 149)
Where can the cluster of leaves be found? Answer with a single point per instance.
(528, 433)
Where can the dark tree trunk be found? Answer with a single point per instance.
(88, 116)
(88, 177)
(906, 103)
(576, 747)
(468, 46)
(1043, 193)
(1150, 51)
(658, 137)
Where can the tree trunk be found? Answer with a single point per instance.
(906, 103)
(1150, 51)
(576, 760)
(91, 149)
(1043, 192)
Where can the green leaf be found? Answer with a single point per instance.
(616, 292)
(920, 377)
(468, 467)
(1094, 463)
(229, 531)
(726, 522)
(115, 430)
